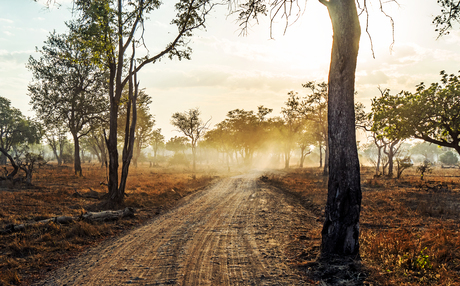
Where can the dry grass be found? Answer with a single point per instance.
(410, 229)
(26, 256)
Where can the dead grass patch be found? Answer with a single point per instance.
(26, 256)
(410, 228)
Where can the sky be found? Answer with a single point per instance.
(229, 71)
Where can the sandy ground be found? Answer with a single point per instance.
(232, 233)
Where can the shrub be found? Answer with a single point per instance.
(425, 168)
(402, 164)
(179, 159)
(448, 158)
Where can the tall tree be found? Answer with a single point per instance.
(388, 136)
(144, 125)
(293, 122)
(157, 141)
(306, 139)
(68, 88)
(55, 135)
(191, 125)
(315, 110)
(111, 28)
(220, 138)
(95, 143)
(248, 130)
(177, 144)
(340, 234)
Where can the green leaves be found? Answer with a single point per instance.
(16, 129)
(450, 13)
(432, 113)
(66, 86)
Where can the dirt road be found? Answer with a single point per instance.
(233, 233)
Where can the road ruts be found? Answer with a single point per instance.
(233, 233)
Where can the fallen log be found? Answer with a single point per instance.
(92, 194)
(108, 215)
(88, 216)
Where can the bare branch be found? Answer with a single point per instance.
(391, 20)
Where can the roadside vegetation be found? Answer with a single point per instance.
(409, 227)
(27, 255)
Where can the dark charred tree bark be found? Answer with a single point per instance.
(115, 195)
(340, 234)
(76, 153)
(130, 128)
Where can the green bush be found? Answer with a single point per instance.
(179, 159)
(448, 158)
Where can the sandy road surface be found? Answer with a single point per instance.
(233, 233)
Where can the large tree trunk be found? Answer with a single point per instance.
(390, 161)
(76, 153)
(114, 196)
(340, 234)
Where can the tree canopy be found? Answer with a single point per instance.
(16, 129)
(432, 113)
(192, 126)
(114, 30)
(68, 88)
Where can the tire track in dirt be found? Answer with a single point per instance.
(233, 233)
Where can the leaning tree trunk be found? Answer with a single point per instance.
(115, 197)
(130, 128)
(340, 232)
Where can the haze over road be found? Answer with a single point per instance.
(233, 233)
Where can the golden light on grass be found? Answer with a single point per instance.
(24, 256)
(409, 228)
